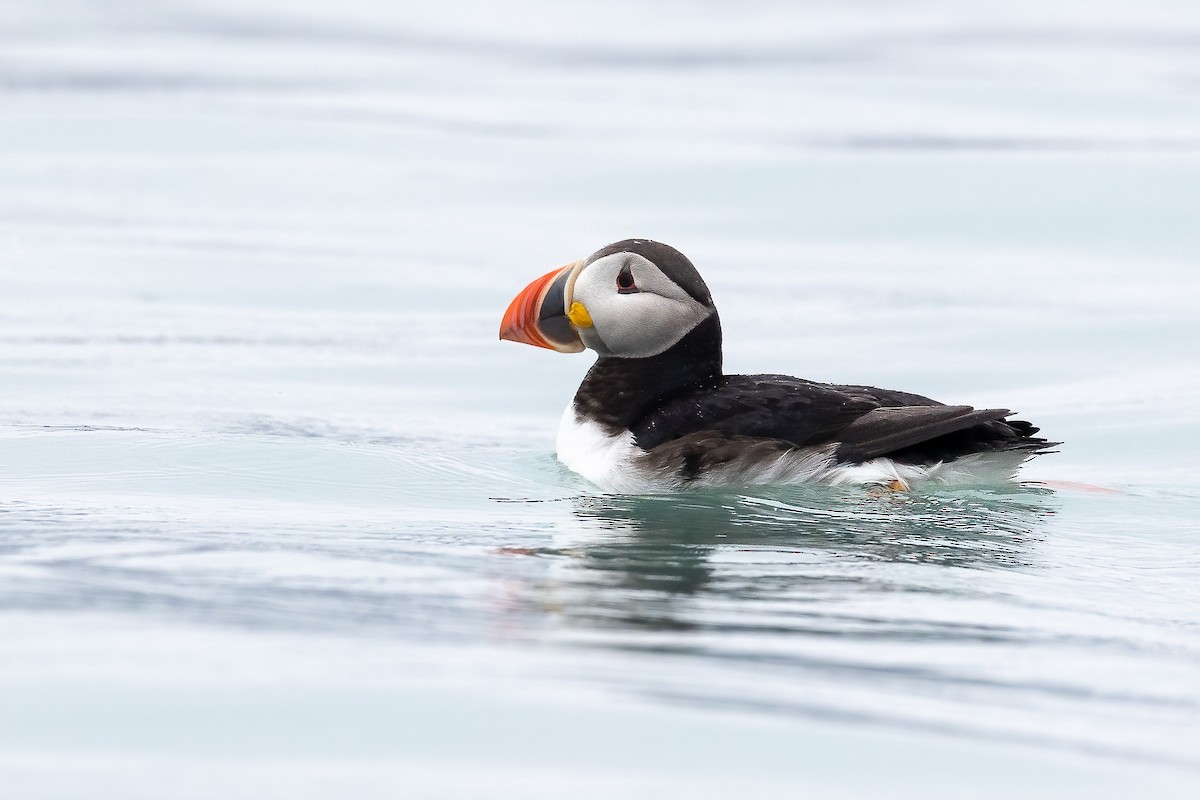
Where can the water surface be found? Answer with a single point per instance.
(280, 517)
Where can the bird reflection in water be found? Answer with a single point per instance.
(643, 561)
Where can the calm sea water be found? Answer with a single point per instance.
(280, 517)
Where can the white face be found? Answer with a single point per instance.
(636, 310)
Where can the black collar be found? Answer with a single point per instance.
(617, 392)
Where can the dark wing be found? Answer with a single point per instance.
(865, 422)
(793, 410)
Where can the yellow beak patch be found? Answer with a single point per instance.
(579, 316)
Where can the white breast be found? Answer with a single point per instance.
(608, 461)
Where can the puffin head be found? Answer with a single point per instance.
(630, 299)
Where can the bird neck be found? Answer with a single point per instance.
(617, 392)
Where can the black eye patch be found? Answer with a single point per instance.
(625, 284)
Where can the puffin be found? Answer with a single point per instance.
(657, 413)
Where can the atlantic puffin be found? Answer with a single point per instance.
(657, 413)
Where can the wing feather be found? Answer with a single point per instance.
(886, 430)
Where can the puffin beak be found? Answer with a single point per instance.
(538, 315)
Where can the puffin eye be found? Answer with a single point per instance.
(625, 284)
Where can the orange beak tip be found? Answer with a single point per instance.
(521, 320)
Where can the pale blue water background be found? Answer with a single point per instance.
(279, 517)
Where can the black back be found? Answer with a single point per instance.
(861, 422)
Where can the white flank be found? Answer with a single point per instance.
(617, 464)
